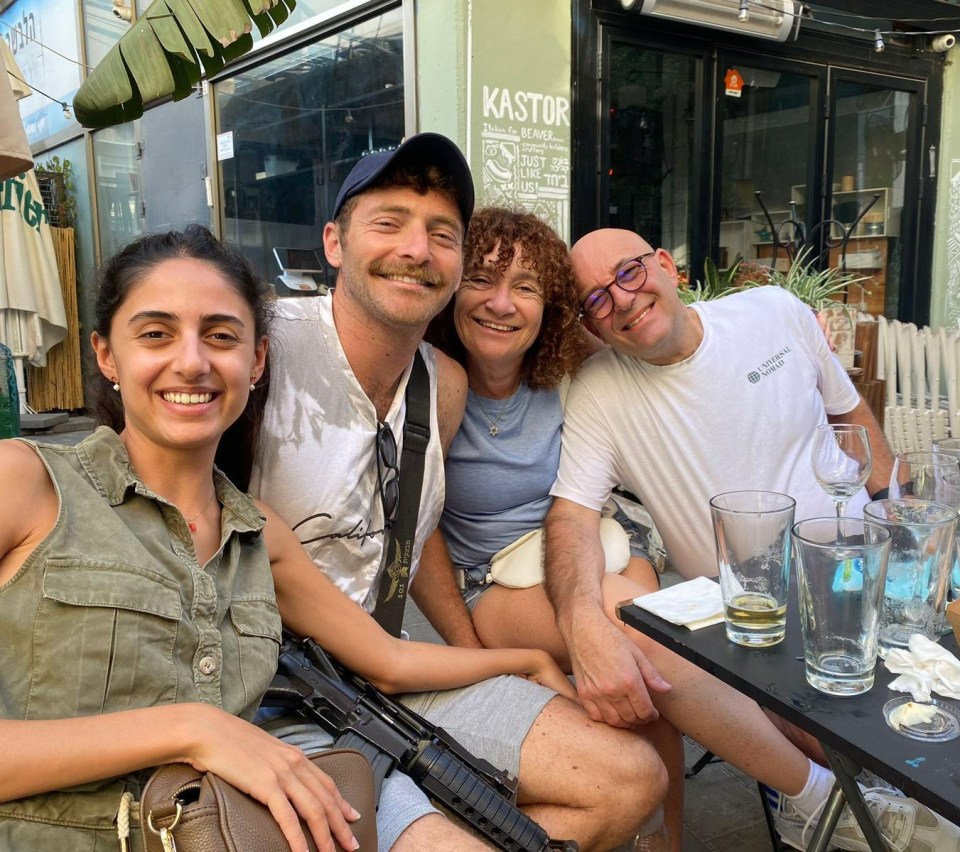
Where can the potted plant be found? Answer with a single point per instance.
(817, 288)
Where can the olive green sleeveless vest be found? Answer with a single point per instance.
(112, 612)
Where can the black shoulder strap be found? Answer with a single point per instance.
(399, 540)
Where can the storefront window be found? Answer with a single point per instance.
(873, 133)
(42, 35)
(651, 146)
(291, 129)
(116, 166)
(306, 9)
(103, 24)
(766, 121)
(78, 190)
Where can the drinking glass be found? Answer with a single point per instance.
(842, 460)
(926, 476)
(752, 533)
(951, 446)
(921, 555)
(841, 565)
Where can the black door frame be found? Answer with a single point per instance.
(916, 243)
(818, 77)
(596, 22)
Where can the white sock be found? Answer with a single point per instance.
(815, 791)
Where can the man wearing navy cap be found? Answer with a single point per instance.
(340, 365)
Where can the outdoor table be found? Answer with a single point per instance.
(852, 730)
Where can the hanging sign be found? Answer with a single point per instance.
(733, 83)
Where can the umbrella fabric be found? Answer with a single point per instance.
(32, 317)
(15, 156)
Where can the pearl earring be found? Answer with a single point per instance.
(116, 384)
(253, 387)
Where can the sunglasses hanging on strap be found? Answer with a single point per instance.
(401, 504)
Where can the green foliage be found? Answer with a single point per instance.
(66, 202)
(166, 52)
(815, 287)
(716, 282)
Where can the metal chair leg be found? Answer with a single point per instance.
(775, 843)
(705, 759)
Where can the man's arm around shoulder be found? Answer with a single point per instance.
(451, 398)
(434, 588)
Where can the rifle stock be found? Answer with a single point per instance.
(390, 735)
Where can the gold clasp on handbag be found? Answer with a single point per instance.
(166, 834)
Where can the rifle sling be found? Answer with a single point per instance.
(399, 540)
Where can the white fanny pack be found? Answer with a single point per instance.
(519, 565)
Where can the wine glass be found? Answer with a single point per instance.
(842, 460)
(926, 476)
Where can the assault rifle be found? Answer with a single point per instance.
(391, 736)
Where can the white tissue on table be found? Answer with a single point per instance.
(696, 603)
(924, 667)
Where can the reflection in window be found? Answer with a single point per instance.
(651, 146)
(766, 148)
(118, 186)
(103, 26)
(869, 173)
(290, 130)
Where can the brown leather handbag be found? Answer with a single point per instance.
(186, 810)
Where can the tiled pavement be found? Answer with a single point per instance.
(722, 811)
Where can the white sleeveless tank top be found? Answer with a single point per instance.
(316, 462)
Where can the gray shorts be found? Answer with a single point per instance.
(490, 719)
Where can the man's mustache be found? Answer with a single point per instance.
(421, 274)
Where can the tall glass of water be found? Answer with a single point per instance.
(841, 566)
(951, 446)
(842, 460)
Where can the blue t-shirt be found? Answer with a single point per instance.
(498, 487)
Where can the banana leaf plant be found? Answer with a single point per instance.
(165, 53)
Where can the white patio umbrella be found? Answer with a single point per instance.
(15, 156)
(32, 317)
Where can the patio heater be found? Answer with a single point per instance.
(774, 20)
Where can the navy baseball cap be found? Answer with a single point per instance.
(424, 148)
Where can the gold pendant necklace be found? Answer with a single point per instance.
(191, 522)
(494, 424)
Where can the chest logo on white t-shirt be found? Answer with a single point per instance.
(770, 366)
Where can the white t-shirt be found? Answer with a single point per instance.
(316, 461)
(740, 413)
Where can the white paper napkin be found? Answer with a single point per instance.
(924, 667)
(695, 603)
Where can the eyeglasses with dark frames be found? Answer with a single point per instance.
(630, 277)
(388, 474)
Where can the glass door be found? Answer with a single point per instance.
(873, 175)
(652, 152)
(767, 140)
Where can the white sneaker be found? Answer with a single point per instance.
(905, 825)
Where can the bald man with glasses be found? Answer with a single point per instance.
(687, 402)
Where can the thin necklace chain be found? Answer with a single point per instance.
(494, 424)
(191, 522)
